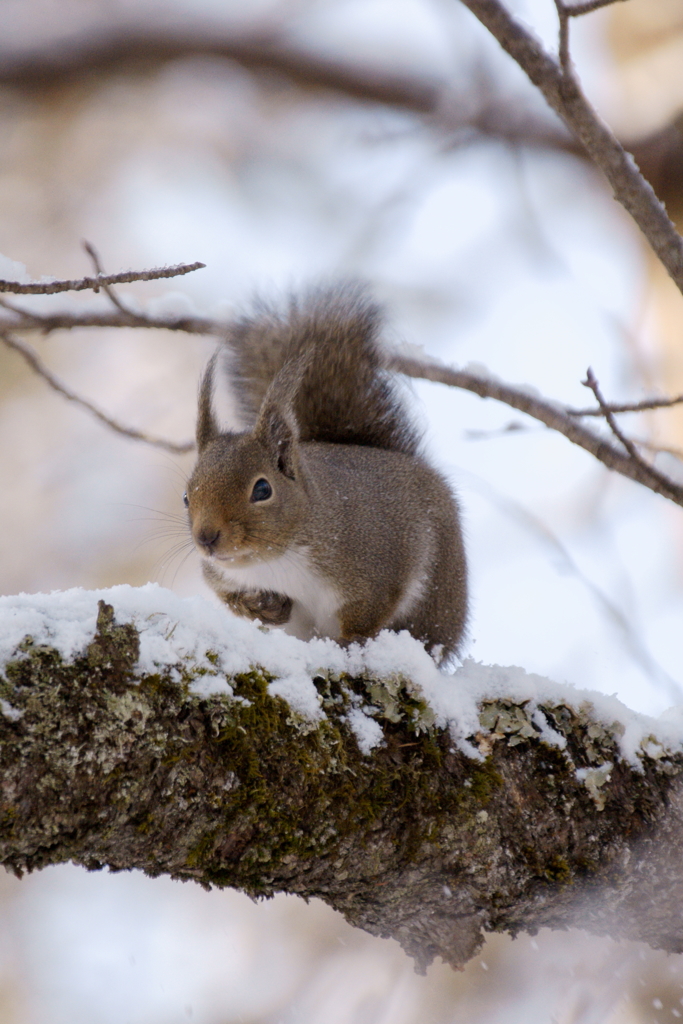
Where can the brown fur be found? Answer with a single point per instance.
(343, 394)
(359, 533)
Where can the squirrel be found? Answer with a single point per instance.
(323, 516)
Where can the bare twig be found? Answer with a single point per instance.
(114, 49)
(552, 414)
(514, 427)
(566, 99)
(563, 45)
(648, 403)
(6, 304)
(592, 383)
(31, 357)
(46, 323)
(107, 289)
(576, 10)
(659, 449)
(95, 283)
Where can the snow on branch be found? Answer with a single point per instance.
(140, 730)
(100, 281)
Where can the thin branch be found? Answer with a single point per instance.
(577, 10)
(592, 383)
(46, 323)
(6, 304)
(648, 403)
(95, 283)
(552, 414)
(514, 427)
(563, 44)
(110, 50)
(565, 97)
(659, 449)
(99, 270)
(31, 357)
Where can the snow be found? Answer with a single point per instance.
(12, 270)
(367, 731)
(175, 630)
(14, 714)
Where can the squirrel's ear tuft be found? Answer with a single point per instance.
(207, 427)
(277, 429)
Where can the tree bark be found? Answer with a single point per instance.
(104, 766)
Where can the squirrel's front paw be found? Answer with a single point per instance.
(266, 605)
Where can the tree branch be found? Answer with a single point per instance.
(646, 404)
(552, 414)
(592, 383)
(577, 10)
(95, 283)
(31, 357)
(564, 95)
(143, 47)
(107, 288)
(534, 817)
(113, 49)
(29, 320)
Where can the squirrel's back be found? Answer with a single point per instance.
(344, 394)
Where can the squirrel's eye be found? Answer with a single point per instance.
(186, 500)
(262, 490)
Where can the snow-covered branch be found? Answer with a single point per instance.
(150, 732)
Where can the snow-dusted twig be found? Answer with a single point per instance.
(564, 95)
(95, 283)
(31, 357)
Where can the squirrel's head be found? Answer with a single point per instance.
(246, 496)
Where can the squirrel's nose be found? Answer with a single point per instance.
(207, 538)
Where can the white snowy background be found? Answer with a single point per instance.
(514, 259)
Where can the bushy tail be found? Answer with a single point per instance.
(343, 394)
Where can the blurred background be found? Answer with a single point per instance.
(282, 143)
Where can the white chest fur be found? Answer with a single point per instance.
(315, 602)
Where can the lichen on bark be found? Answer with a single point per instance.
(104, 766)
